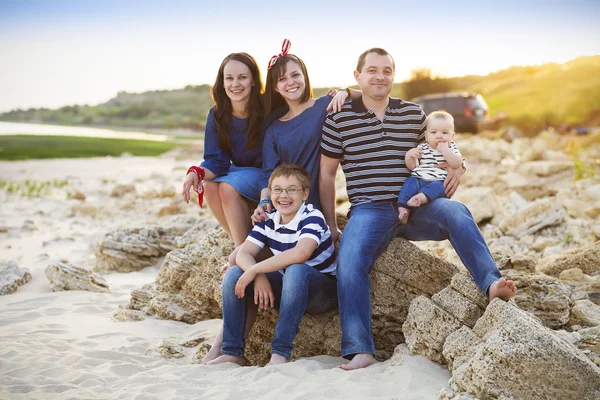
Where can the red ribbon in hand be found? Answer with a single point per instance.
(200, 172)
(285, 48)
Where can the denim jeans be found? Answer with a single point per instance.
(371, 228)
(431, 189)
(302, 288)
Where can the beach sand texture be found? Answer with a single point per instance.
(66, 345)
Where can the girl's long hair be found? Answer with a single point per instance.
(274, 100)
(223, 110)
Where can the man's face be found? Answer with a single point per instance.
(377, 76)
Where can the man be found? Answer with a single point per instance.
(370, 137)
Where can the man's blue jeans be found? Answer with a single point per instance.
(302, 288)
(371, 228)
(431, 189)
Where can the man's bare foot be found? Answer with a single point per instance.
(361, 360)
(277, 359)
(503, 289)
(403, 214)
(417, 200)
(225, 359)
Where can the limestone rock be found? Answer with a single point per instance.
(168, 349)
(585, 313)
(465, 285)
(536, 216)
(511, 355)
(481, 201)
(64, 276)
(587, 259)
(546, 297)
(125, 315)
(121, 190)
(427, 327)
(11, 277)
(545, 168)
(458, 305)
(529, 189)
(77, 195)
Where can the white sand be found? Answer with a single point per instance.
(65, 345)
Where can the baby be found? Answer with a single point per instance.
(426, 182)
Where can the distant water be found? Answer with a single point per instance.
(17, 128)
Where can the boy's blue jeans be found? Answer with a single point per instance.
(431, 189)
(302, 288)
(371, 228)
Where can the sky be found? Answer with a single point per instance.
(56, 53)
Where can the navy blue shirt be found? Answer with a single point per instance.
(297, 141)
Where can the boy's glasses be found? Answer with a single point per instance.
(291, 191)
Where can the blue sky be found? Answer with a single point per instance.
(74, 52)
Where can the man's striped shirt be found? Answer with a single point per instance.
(431, 158)
(307, 223)
(372, 151)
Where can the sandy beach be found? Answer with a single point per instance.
(66, 345)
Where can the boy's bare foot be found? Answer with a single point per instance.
(277, 359)
(503, 289)
(417, 200)
(361, 360)
(403, 214)
(225, 359)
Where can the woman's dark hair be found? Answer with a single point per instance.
(274, 100)
(223, 110)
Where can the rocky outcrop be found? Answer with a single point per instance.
(64, 276)
(585, 313)
(509, 354)
(587, 259)
(11, 277)
(132, 249)
(534, 217)
(481, 201)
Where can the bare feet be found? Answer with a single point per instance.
(403, 214)
(361, 360)
(277, 359)
(417, 200)
(214, 352)
(502, 289)
(225, 359)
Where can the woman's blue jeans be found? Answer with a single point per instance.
(302, 288)
(371, 228)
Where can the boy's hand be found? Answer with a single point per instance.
(442, 147)
(263, 294)
(415, 153)
(243, 282)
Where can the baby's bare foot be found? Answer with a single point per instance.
(503, 289)
(225, 359)
(403, 214)
(417, 200)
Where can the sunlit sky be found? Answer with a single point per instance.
(55, 53)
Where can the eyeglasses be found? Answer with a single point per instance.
(291, 190)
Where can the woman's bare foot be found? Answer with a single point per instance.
(277, 359)
(361, 360)
(403, 214)
(417, 200)
(503, 289)
(225, 359)
(214, 352)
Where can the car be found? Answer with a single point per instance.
(470, 111)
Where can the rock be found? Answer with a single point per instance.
(77, 195)
(509, 354)
(524, 262)
(527, 188)
(72, 277)
(572, 275)
(171, 209)
(545, 168)
(465, 285)
(426, 328)
(481, 201)
(585, 313)
(202, 351)
(544, 296)
(121, 190)
(11, 277)
(536, 216)
(542, 243)
(458, 305)
(170, 350)
(400, 353)
(587, 259)
(125, 315)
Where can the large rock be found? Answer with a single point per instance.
(509, 354)
(545, 168)
(534, 217)
(11, 277)
(481, 201)
(188, 289)
(64, 276)
(587, 259)
(585, 313)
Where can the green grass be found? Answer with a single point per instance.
(30, 188)
(25, 147)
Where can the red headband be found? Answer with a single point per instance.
(285, 48)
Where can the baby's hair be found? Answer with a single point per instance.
(287, 170)
(441, 114)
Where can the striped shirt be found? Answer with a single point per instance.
(431, 158)
(307, 223)
(372, 151)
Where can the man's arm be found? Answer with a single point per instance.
(327, 174)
